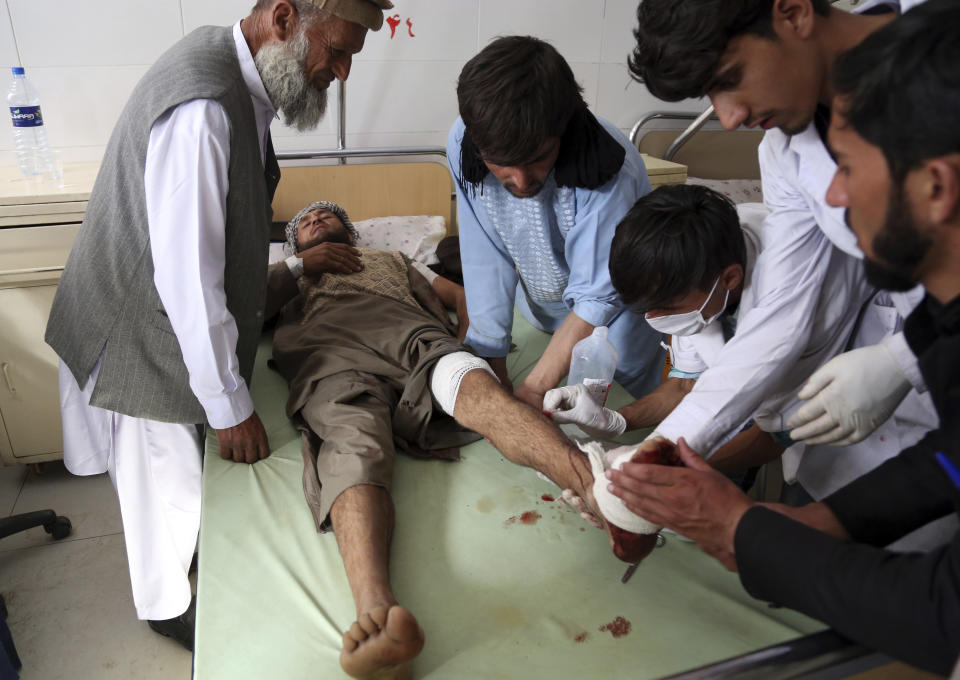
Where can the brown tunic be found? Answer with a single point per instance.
(383, 325)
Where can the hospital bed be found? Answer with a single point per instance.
(724, 160)
(505, 581)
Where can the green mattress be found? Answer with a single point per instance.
(504, 582)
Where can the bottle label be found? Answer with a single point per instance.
(26, 116)
(598, 389)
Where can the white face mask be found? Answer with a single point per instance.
(688, 323)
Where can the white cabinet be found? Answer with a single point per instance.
(29, 406)
(38, 224)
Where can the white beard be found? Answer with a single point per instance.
(282, 69)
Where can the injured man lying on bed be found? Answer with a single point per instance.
(373, 362)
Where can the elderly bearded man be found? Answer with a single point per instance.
(158, 313)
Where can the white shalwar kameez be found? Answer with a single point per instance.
(156, 466)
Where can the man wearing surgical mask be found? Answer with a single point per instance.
(685, 257)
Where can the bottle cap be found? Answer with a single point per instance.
(17, 70)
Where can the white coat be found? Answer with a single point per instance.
(758, 371)
(804, 237)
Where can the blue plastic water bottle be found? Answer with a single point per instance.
(29, 134)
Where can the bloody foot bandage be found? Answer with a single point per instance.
(633, 536)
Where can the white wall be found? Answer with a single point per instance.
(85, 56)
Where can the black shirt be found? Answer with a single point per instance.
(906, 605)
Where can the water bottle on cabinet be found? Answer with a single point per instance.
(29, 134)
(593, 363)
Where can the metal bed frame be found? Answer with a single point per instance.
(699, 120)
(342, 153)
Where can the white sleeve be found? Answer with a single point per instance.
(295, 265)
(684, 356)
(908, 363)
(772, 335)
(185, 179)
(428, 273)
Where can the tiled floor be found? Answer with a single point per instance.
(69, 602)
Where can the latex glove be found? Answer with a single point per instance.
(574, 404)
(850, 396)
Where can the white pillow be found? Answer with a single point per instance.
(278, 251)
(416, 236)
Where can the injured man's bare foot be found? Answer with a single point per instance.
(381, 644)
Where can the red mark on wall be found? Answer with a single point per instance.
(394, 21)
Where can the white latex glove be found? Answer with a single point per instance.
(574, 404)
(850, 396)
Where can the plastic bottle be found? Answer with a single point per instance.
(593, 363)
(29, 134)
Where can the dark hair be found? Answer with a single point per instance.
(902, 85)
(677, 238)
(680, 42)
(513, 95)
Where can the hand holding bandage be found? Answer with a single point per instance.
(574, 404)
(850, 396)
(693, 500)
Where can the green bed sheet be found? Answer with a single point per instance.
(497, 597)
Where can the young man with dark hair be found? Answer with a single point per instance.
(541, 184)
(686, 258)
(767, 63)
(894, 134)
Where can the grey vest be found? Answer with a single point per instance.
(107, 302)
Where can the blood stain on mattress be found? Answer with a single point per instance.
(582, 637)
(618, 627)
(547, 497)
(529, 517)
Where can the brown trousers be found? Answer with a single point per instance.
(351, 412)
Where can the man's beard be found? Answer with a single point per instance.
(337, 236)
(899, 247)
(282, 69)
